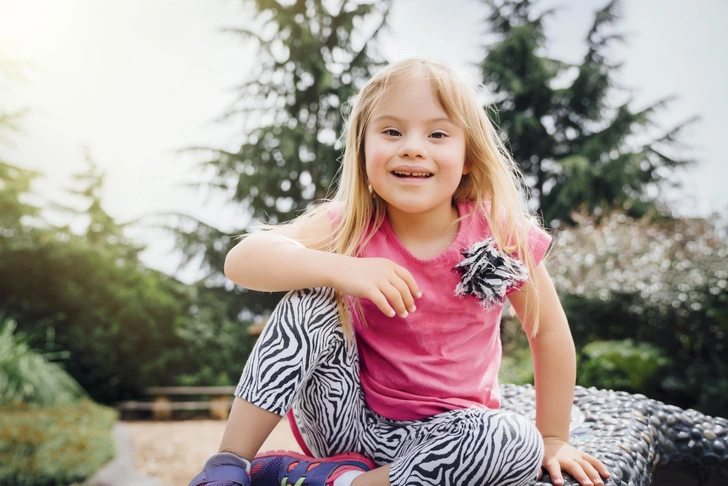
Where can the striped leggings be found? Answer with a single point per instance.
(302, 362)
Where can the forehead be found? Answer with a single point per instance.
(412, 100)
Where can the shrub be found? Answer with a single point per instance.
(662, 282)
(59, 445)
(622, 365)
(29, 377)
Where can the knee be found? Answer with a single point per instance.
(311, 311)
(523, 448)
(512, 445)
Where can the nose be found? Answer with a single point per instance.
(412, 148)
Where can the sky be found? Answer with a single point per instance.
(135, 81)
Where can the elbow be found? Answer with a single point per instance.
(228, 267)
(232, 266)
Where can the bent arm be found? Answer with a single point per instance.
(287, 257)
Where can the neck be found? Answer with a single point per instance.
(434, 229)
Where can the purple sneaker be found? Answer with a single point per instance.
(223, 469)
(284, 468)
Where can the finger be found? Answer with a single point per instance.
(554, 470)
(404, 292)
(382, 303)
(576, 469)
(590, 472)
(598, 465)
(405, 275)
(395, 299)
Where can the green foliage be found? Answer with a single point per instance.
(622, 365)
(516, 367)
(27, 376)
(59, 445)
(516, 362)
(657, 282)
(216, 345)
(311, 60)
(575, 145)
(121, 325)
(15, 183)
(118, 320)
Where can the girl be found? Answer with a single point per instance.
(387, 364)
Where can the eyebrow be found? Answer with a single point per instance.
(394, 118)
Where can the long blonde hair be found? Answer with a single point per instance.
(493, 182)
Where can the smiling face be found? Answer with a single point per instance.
(414, 153)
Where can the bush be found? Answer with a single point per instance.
(58, 445)
(29, 377)
(622, 365)
(662, 282)
(118, 320)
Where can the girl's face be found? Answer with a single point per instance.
(414, 153)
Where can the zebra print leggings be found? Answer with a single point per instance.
(302, 361)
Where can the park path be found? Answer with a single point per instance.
(173, 452)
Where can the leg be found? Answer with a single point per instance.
(247, 428)
(475, 447)
(301, 356)
(329, 410)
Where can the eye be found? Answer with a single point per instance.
(438, 134)
(392, 132)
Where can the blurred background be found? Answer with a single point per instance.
(138, 139)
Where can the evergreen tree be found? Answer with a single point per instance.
(577, 150)
(312, 57)
(102, 230)
(15, 186)
(15, 182)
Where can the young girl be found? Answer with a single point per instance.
(387, 362)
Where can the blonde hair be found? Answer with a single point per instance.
(492, 183)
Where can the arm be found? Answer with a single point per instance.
(554, 366)
(294, 256)
(278, 259)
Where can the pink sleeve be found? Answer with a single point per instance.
(538, 244)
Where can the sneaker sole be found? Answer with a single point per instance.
(344, 456)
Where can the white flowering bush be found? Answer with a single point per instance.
(657, 281)
(668, 264)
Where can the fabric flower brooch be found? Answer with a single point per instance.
(488, 275)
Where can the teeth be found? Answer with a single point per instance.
(413, 174)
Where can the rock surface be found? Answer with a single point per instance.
(634, 435)
(643, 442)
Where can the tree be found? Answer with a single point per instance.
(577, 150)
(312, 57)
(101, 229)
(15, 182)
(85, 293)
(118, 320)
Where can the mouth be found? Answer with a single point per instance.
(407, 174)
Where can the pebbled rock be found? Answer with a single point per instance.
(633, 434)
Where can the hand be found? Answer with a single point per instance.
(560, 456)
(389, 286)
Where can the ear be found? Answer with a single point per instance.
(466, 167)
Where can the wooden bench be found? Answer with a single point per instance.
(218, 402)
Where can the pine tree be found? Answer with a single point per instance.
(102, 230)
(577, 150)
(312, 56)
(15, 182)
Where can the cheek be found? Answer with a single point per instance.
(375, 157)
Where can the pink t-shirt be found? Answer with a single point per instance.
(446, 354)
